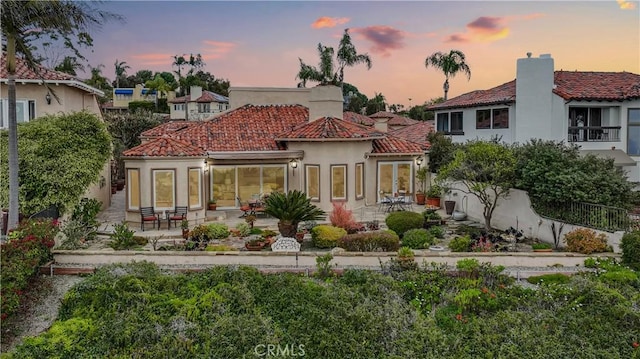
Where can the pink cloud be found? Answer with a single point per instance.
(489, 28)
(626, 5)
(383, 38)
(154, 59)
(326, 21)
(216, 49)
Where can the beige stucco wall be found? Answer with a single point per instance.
(181, 167)
(240, 96)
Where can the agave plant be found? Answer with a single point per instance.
(291, 209)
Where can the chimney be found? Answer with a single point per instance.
(325, 101)
(195, 91)
(382, 121)
(534, 100)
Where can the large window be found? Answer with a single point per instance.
(450, 123)
(493, 118)
(246, 182)
(633, 143)
(195, 188)
(164, 193)
(25, 111)
(133, 189)
(359, 180)
(338, 183)
(394, 177)
(312, 181)
(204, 107)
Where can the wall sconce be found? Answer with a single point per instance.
(294, 164)
(47, 98)
(206, 166)
(419, 161)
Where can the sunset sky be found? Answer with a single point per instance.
(259, 43)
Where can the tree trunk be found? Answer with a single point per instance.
(288, 229)
(14, 204)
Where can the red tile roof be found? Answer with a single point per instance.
(23, 72)
(248, 128)
(570, 85)
(401, 121)
(167, 128)
(383, 114)
(358, 118)
(206, 97)
(165, 147)
(415, 133)
(391, 144)
(330, 128)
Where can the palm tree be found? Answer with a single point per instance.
(22, 22)
(69, 65)
(159, 85)
(325, 73)
(121, 70)
(450, 64)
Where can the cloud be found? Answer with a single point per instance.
(216, 49)
(154, 59)
(626, 5)
(383, 38)
(488, 28)
(326, 21)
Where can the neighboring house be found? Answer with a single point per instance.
(393, 121)
(415, 133)
(599, 111)
(198, 105)
(122, 97)
(34, 100)
(268, 144)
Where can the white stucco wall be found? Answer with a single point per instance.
(534, 87)
(515, 211)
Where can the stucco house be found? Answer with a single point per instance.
(122, 96)
(273, 139)
(197, 105)
(599, 111)
(34, 100)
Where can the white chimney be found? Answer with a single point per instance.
(196, 92)
(534, 99)
(325, 101)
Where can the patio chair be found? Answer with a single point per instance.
(244, 207)
(407, 203)
(148, 214)
(178, 214)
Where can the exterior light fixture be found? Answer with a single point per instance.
(47, 98)
(294, 164)
(419, 161)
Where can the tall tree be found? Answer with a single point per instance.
(121, 68)
(69, 65)
(450, 64)
(22, 22)
(195, 63)
(376, 104)
(98, 81)
(327, 73)
(160, 86)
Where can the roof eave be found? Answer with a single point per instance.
(329, 139)
(255, 155)
(72, 83)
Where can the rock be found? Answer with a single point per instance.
(285, 244)
(337, 250)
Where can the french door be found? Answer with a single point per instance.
(394, 177)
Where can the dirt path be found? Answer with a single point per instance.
(39, 310)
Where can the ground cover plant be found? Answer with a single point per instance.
(228, 312)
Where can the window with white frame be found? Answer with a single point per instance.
(338, 182)
(25, 111)
(450, 123)
(164, 189)
(195, 188)
(492, 118)
(204, 107)
(633, 142)
(178, 107)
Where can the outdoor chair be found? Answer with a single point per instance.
(148, 214)
(178, 214)
(244, 207)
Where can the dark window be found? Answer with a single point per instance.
(633, 143)
(443, 122)
(456, 122)
(483, 119)
(32, 110)
(501, 118)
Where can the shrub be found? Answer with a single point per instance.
(243, 229)
(418, 238)
(75, 233)
(200, 233)
(431, 216)
(386, 241)
(291, 209)
(585, 241)
(468, 265)
(218, 230)
(342, 217)
(630, 246)
(325, 236)
(122, 237)
(85, 213)
(460, 244)
(220, 248)
(401, 222)
(554, 278)
(437, 231)
(621, 276)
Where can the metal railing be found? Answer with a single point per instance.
(595, 216)
(594, 134)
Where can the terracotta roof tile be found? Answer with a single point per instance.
(358, 118)
(330, 128)
(383, 114)
(165, 147)
(415, 133)
(401, 121)
(505, 93)
(23, 72)
(392, 144)
(167, 128)
(207, 96)
(595, 86)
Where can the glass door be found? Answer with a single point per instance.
(223, 185)
(394, 177)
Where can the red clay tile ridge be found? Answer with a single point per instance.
(395, 145)
(330, 129)
(165, 147)
(416, 133)
(383, 114)
(206, 97)
(358, 118)
(503, 94)
(167, 128)
(24, 74)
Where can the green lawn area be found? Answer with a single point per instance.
(137, 311)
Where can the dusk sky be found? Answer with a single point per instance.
(259, 43)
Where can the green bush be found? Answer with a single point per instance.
(143, 105)
(325, 236)
(244, 229)
(85, 213)
(385, 241)
(200, 234)
(431, 216)
(630, 246)
(218, 230)
(621, 276)
(403, 221)
(586, 241)
(437, 231)
(554, 278)
(418, 238)
(460, 244)
(122, 237)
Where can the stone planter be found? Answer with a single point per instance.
(421, 198)
(433, 201)
(449, 206)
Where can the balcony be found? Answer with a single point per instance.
(594, 134)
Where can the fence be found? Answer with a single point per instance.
(596, 216)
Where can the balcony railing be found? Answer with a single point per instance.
(594, 134)
(596, 216)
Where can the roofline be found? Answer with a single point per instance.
(509, 102)
(72, 83)
(255, 155)
(370, 154)
(329, 139)
(163, 157)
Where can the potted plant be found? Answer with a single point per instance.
(300, 235)
(268, 235)
(541, 247)
(421, 177)
(433, 195)
(431, 218)
(212, 204)
(449, 205)
(255, 244)
(290, 209)
(114, 187)
(250, 219)
(185, 228)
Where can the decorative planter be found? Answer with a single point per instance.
(433, 201)
(213, 206)
(120, 184)
(185, 233)
(449, 206)
(254, 247)
(300, 236)
(421, 198)
(114, 189)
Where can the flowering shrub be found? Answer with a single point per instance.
(342, 217)
(20, 258)
(631, 249)
(585, 241)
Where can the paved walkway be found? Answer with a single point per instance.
(115, 214)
